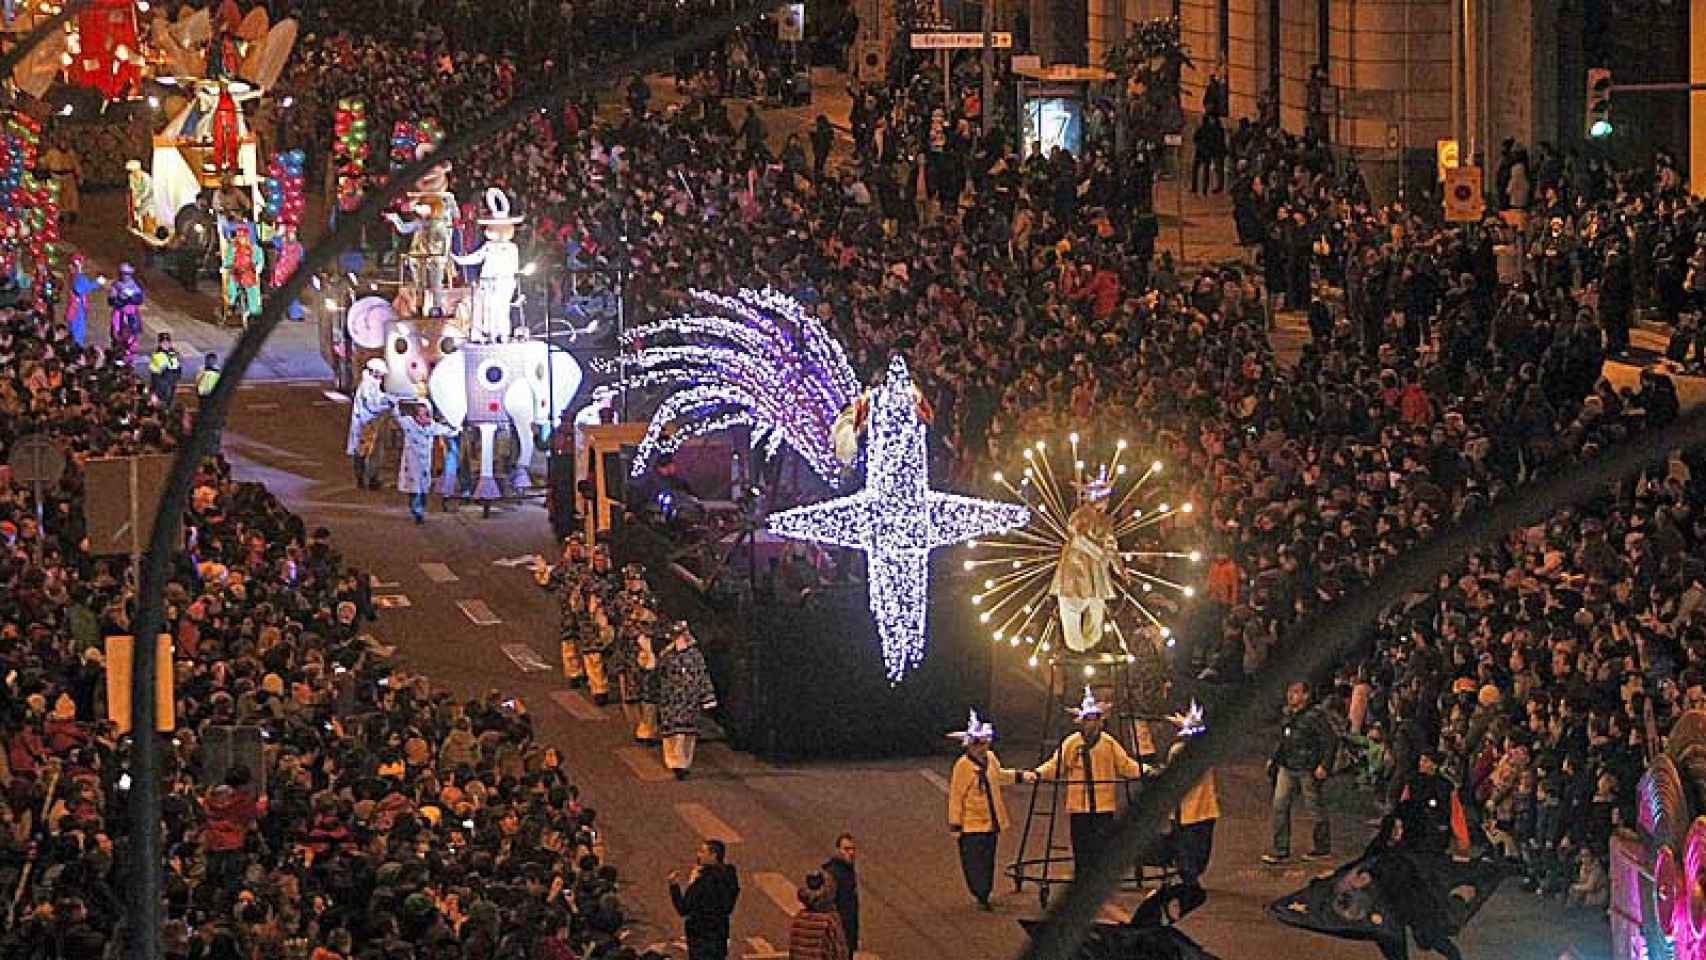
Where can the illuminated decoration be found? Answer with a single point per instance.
(897, 520)
(762, 361)
(1190, 723)
(1015, 600)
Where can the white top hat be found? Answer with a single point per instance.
(375, 366)
(1091, 707)
(497, 210)
(976, 730)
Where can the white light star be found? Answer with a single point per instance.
(897, 520)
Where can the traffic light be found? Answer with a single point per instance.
(1598, 123)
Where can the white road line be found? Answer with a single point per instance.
(378, 584)
(331, 395)
(936, 779)
(578, 706)
(390, 601)
(439, 573)
(523, 656)
(780, 890)
(478, 612)
(708, 825)
(762, 949)
(260, 407)
(644, 763)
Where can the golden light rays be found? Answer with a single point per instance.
(1012, 575)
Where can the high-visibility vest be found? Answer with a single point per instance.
(206, 381)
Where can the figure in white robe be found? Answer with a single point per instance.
(1084, 578)
(500, 263)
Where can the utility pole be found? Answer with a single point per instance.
(988, 96)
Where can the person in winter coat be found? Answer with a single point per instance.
(414, 471)
(460, 747)
(823, 139)
(815, 932)
(232, 810)
(1299, 764)
(844, 879)
(707, 902)
(684, 690)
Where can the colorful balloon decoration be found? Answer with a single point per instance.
(29, 207)
(407, 136)
(350, 150)
(282, 197)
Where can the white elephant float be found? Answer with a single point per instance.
(411, 348)
(526, 383)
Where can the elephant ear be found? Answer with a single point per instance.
(368, 319)
(447, 385)
(563, 382)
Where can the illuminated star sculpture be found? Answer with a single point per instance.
(897, 520)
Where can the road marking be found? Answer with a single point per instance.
(331, 395)
(260, 407)
(762, 949)
(578, 706)
(378, 584)
(780, 890)
(936, 779)
(523, 656)
(389, 601)
(708, 825)
(644, 763)
(477, 611)
(439, 573)
(527, 560)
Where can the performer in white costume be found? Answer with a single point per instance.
(1083, 581)
(500, 262)
(367, 407)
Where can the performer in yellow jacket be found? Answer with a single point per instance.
(977, 813)
(1092, 764)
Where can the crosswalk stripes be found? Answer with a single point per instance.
(706, 824)
(578, 706)
(759, 948)
(644, 763)
(477, 612)
(781, 891)
(936, 780)
(439, 573)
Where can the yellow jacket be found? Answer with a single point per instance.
(968, 807)
(1109, 764)
(1202, 802)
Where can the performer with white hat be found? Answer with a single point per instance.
(1083, 580)
(977, 813)
(1092, 764)
(369, 404)
(500, 262)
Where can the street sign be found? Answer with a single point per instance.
(959, 41)
(1463, 202)
(1172, 140)
(1445, 156)
(36, 461)
(791, 22)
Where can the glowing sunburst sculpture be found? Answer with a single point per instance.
(1015, 602)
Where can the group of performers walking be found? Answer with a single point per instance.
(611, 635)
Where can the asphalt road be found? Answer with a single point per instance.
(471, 623)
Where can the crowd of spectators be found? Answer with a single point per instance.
(1446, 366)
(365, 814)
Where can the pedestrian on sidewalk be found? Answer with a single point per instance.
(707, 902)
(842, 871)
(977, 813)
(815, 932)
(1299, 765)
(684, 690)
(1208, 156)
